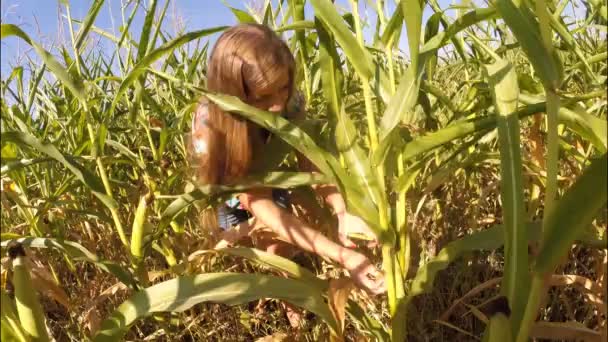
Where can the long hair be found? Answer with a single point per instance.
(246, 59)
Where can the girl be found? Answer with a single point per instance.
(252, 63)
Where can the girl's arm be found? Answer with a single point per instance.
(347, 222)
(330, 194)
(292, 230)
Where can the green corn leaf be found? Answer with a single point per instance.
(76, 252)
(369, 323)
(571, 43)
(323, 160)
(431, 29)
(600, 57)
(525, 27)
(281, 128)
(87, 23)
(401, 104)
(488, 239)
(18, 164)
(457, 41)
(159, 25)
(74, 85)
(29, 309)
(242, 16)
(9, 317)
(282, 180)
(348, 143)
(464, 21)
(298, 26)
(277, 262)
(144, 37)
(392, 32)
(588, 126)
(268, 19)
(137, 232)
(573, 212)
(154, 55)
(85, 176)
(126, 152)
(459, 130)
(505, 91)
(329, 63)
(412, 14)
(182, 293)
(499, 329)
(361, 60)
(297, 12)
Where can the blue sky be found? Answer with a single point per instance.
(40, 19)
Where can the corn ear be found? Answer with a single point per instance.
(137, 233)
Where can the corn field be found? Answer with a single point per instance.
(477, 156)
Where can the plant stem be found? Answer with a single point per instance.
(106, 183)
(552, 151)
(531, 311)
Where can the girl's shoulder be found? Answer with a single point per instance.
(200, 118)
(200, 132)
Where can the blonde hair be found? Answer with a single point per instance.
(247, 58)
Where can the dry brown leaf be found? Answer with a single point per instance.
(45, 284)
(591, 289)
(5, 266)
(573, 279)
(154, 122)
(564, 331)
(602, 281)
(602, 269)
(276, 337)
(90, 317)
(588, 287)
(480, 315)
(153, 275)
(92, 321)
(339, 290)
(452, 326)
(477, 289)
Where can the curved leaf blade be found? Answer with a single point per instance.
(154, 55)
(182, 293)
(505, 92)
(268, 259)
(88, 23)
(574, 211)
(283, 180)
(85, 176)
(358, 56)
(76, 252)
(75, 86)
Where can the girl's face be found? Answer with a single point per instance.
(273, 98)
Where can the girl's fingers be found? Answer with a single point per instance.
(345, 241)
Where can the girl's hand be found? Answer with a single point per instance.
(364, 273)
(234, 234)
(349, 223)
